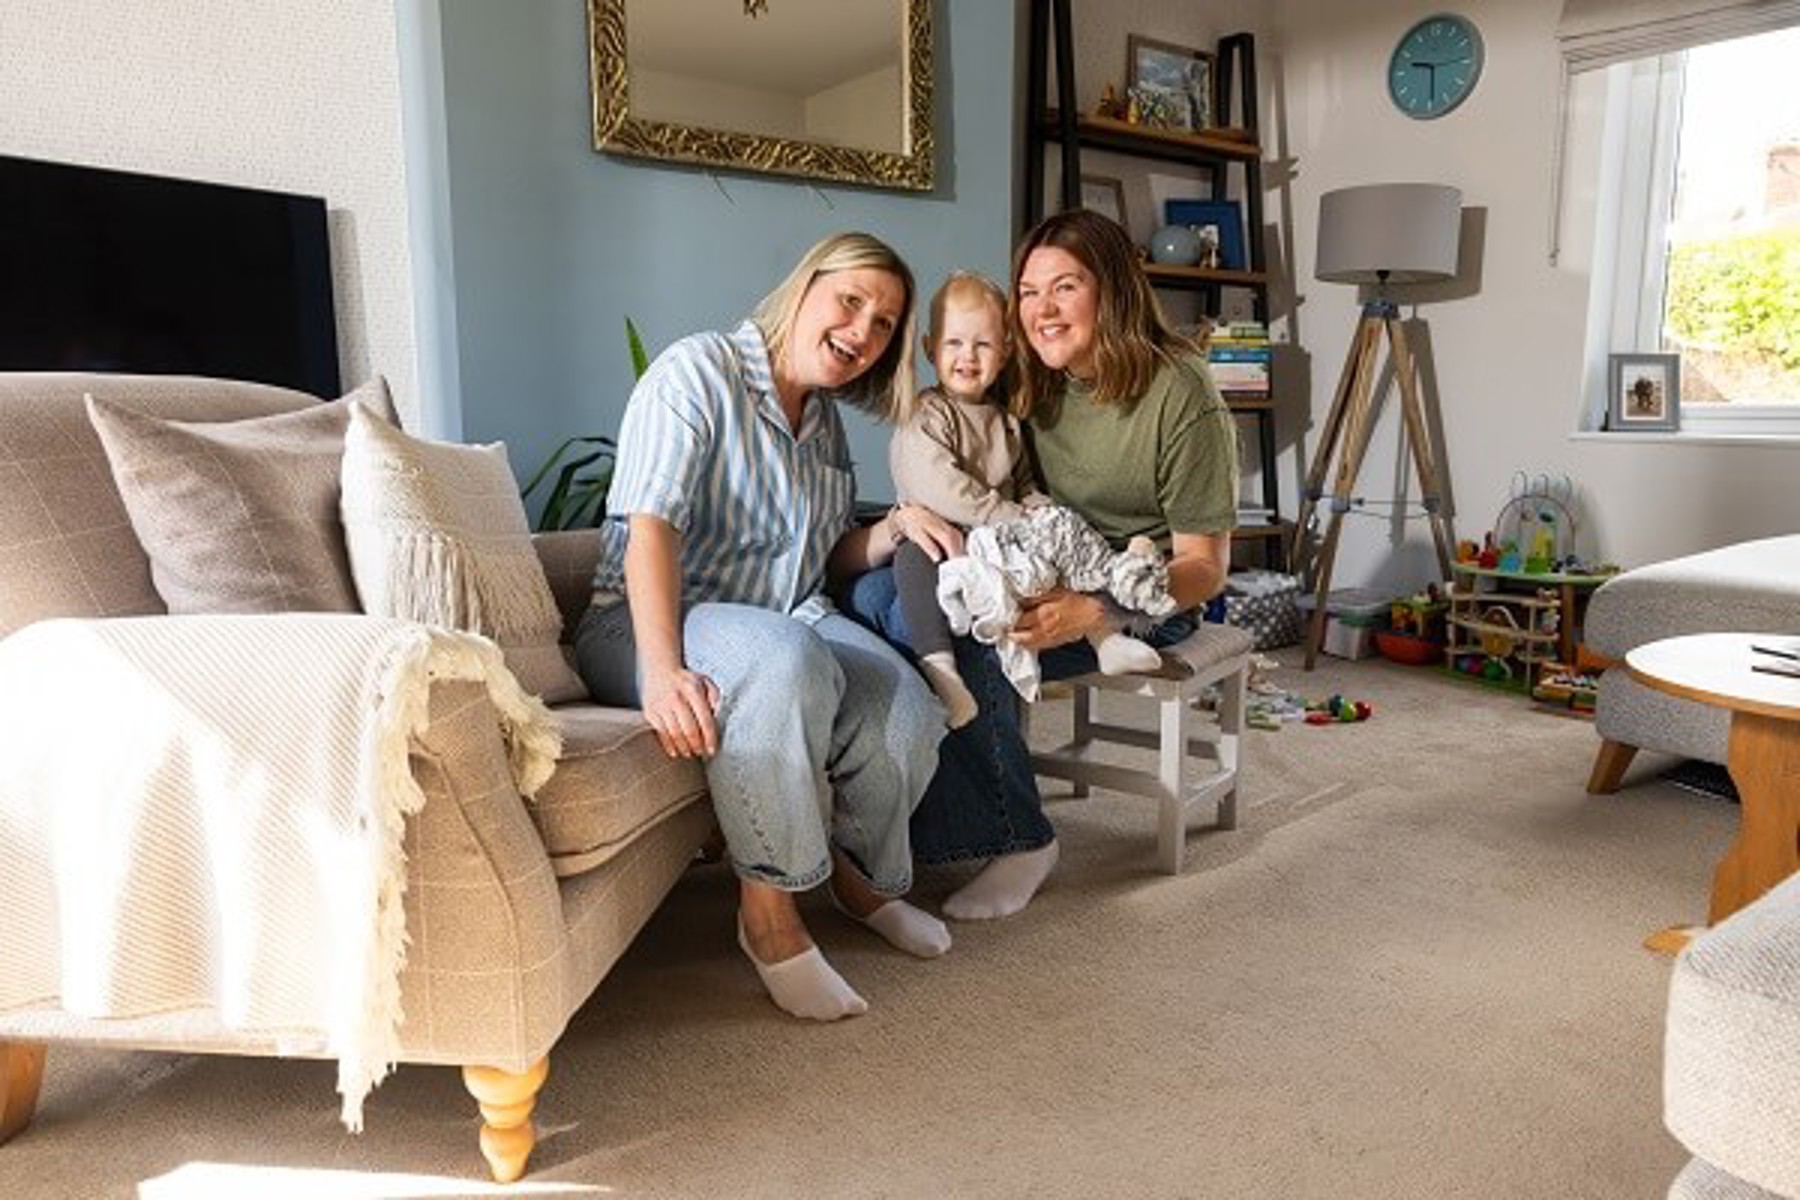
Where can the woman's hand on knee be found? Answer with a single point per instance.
(681, 706)
(938, 538)
(1057, 618)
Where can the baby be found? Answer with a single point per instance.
(962, 455)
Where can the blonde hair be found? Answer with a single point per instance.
(963, 287)
(1132, 338)
(885, 390)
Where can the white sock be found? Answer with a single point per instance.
(1121, 654)
(805, 985)
(907, 928)
(940, 672)
(1004, 886)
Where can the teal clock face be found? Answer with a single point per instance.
(1435, 66)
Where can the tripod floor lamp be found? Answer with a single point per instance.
(1390, 233)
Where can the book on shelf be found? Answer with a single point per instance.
(1241, 377)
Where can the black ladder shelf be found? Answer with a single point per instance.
(1215, 153)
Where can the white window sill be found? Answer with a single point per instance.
(1688, 437)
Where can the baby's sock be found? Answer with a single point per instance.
(906, 928)
(805, 985)
(1004, 886)
(1121, 654)
(940, 672)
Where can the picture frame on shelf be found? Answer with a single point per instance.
(1105, 195)
(1169, 67)
(1158, 108)
(1219, 222)
(1643, 393)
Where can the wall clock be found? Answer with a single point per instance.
(1435, 66)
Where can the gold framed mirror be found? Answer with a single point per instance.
(822, 89)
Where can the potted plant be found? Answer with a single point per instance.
(577, 497)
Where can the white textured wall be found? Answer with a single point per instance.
(1509, 356)
(259, 93)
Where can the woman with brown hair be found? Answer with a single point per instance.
(1130, 432)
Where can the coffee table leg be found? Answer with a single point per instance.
(1764, 758)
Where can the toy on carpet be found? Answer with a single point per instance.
(1338, 709)
(1272, 711)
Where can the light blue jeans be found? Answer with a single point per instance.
(826, 736)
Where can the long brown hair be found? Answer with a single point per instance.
(885, 390)
(1132, 338)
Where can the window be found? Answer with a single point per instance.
(1701, 201)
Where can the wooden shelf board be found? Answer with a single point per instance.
(1166, 275)
(1274, 529)
(1249, 403)
(1105, 133)
(1510, 631)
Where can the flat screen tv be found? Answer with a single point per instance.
(112, 271)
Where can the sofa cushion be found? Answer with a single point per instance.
(1731, 1053)
(238, 516)
(66, 546)
(1700, 1180)
(612, 782)
(437, 533)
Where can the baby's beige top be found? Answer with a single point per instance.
(964, 460)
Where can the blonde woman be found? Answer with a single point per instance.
(731, 504)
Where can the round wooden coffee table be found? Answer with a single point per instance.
(1763, 755)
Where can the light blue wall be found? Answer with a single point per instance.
(536, 249)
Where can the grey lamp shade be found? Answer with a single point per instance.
(1403, 232)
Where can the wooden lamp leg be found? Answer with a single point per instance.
(506, 1101)
(21, 1071)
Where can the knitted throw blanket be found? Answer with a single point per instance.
(207, 813)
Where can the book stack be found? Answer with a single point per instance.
(1239, 356)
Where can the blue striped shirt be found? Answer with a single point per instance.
(704, 445)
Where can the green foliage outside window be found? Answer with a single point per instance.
(1734, 309)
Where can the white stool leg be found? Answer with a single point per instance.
(1171, 816)
(1081, 735)
(1231, 728)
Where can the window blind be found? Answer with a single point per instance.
(1599, 33)
(1593, 34)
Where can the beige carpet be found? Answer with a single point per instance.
(1413, 972)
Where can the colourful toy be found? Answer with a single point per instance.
(1539, 521)
(1338, 710)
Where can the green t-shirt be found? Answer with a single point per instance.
(1165, 464)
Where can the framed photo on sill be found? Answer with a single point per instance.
(1643, 393)
(1220, 224)
(1167, 67)
(1105, 195)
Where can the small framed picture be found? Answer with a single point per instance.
(1644, 392)
(1220, 224)
(1105, 195)
(1166, 67)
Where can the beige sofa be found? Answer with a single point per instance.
(515, 910)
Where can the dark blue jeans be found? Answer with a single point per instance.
(984, 800)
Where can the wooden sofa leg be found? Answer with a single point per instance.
(506, 1100)
(21, 1071)
(1609, 767)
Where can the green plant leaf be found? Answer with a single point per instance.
(640, 362)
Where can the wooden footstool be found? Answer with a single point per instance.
(1213, 654)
